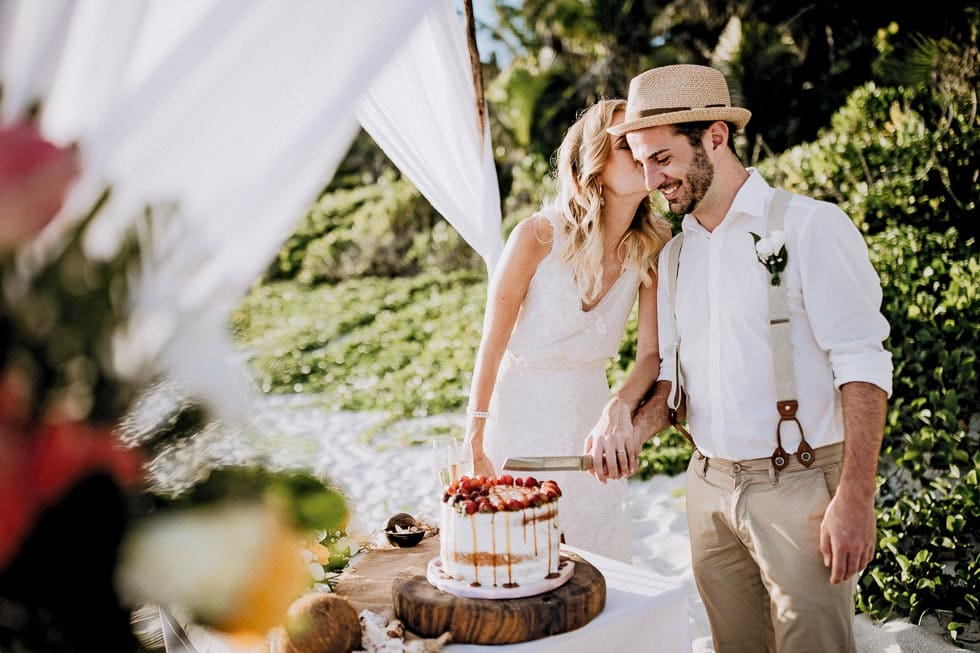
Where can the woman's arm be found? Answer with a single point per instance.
(527, 245)
(613, 437)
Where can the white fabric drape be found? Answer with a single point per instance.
(232, 115)
(434, 137)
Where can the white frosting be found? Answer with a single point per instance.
(500, 548)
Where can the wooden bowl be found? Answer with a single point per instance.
(408, 539)
(404, 530)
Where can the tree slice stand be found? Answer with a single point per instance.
(429, 612)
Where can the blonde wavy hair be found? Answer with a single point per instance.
(581, 159)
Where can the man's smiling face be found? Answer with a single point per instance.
(682, 172)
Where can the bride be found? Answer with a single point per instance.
(557, 308)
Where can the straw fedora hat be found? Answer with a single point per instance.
(680, 93)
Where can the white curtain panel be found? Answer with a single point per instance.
(228, 117)
(422, 111)
(235, 123)
(32, 39)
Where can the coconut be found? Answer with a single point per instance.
(321, 623)
(402, 522)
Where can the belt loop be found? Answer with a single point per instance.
(773, 474)
(706, 460)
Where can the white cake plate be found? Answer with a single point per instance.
(433, 573)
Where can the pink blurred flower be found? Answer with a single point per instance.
(40, 465)
(35, 176)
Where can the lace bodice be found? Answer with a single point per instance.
(552, 328)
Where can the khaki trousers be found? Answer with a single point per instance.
(755, 545)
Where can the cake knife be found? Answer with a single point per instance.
(581, 463)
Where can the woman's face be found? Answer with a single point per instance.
(621, 175)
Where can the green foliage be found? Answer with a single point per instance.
(405, 346)
(893, 156)
(384, 229)
(904, 165)
(530, 185)
(307, 501)
(929, 501)
(58, 314)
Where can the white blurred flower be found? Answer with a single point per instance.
(778, 239)
(230, 564)
(358, 532)
(764, 248)
(316, 571)
(771, 252)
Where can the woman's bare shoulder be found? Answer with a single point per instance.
(537, 229)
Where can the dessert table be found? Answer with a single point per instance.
(643, 611)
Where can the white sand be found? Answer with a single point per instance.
(389, 475)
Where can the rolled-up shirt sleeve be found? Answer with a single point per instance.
(842, 295)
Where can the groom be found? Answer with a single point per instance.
(780, 359)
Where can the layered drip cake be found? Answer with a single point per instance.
(499, 531)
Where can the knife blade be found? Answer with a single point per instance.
(534, 463)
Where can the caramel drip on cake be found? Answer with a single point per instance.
(549, 511)
(510, 569)
(476, 567)
(493, 545)
(534, 532)
(551, 574)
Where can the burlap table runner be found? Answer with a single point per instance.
(367, 583)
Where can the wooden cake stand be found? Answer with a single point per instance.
(428, 611)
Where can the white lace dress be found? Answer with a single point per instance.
(550, 392)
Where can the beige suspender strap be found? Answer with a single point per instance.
(676, 396)
(782, 350)
(782, 347)
(673, 266)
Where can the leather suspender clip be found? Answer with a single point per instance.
(804, 453)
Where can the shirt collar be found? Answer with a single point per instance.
(750, 199)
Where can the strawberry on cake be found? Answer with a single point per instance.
(499, 531)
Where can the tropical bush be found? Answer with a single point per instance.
(893, 156)
(929, 501)
(904, 167)
(404, 346)
(385, 229)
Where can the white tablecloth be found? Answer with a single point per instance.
(644, 612)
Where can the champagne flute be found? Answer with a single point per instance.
(464, 459)
(445, 456)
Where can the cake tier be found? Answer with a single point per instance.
(500, 532)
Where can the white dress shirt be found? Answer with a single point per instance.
(722, 322)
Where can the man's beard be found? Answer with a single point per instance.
(699, 178)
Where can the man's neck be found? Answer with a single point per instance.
(711, 211)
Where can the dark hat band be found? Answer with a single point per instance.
(656, 112)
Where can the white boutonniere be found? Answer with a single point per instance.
(771, 252)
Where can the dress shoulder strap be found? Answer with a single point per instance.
(554, 218)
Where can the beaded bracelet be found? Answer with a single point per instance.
(480, 414)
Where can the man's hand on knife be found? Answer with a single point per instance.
(610, 443)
